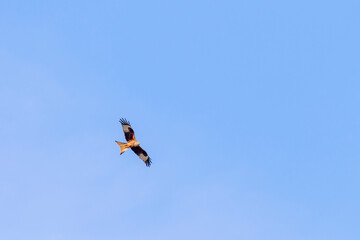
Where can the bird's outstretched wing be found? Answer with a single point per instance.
(128, 131)
(142, 155)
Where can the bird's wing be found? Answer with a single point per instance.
(142, 155)
(128, 131)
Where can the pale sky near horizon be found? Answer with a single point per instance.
(248, 109)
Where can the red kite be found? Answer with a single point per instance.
(132, 143)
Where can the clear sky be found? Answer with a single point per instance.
(249, 110)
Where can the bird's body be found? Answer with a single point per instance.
(126, 146)
(132, 143)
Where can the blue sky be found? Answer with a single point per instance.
(249, 110)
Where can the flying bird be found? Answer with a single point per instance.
(132, 143)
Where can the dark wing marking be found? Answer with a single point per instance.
(142, 155)
(128, 131)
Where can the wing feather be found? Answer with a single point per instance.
(128, 131)
(142, 155)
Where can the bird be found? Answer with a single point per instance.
(132, 143)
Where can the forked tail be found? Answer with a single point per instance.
(123, 147)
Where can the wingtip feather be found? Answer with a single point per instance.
(148, 162)
(124, 121)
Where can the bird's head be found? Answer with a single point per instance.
(136, 144)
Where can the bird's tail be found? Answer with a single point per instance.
(123, 147)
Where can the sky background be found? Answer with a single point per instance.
(249, 110)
